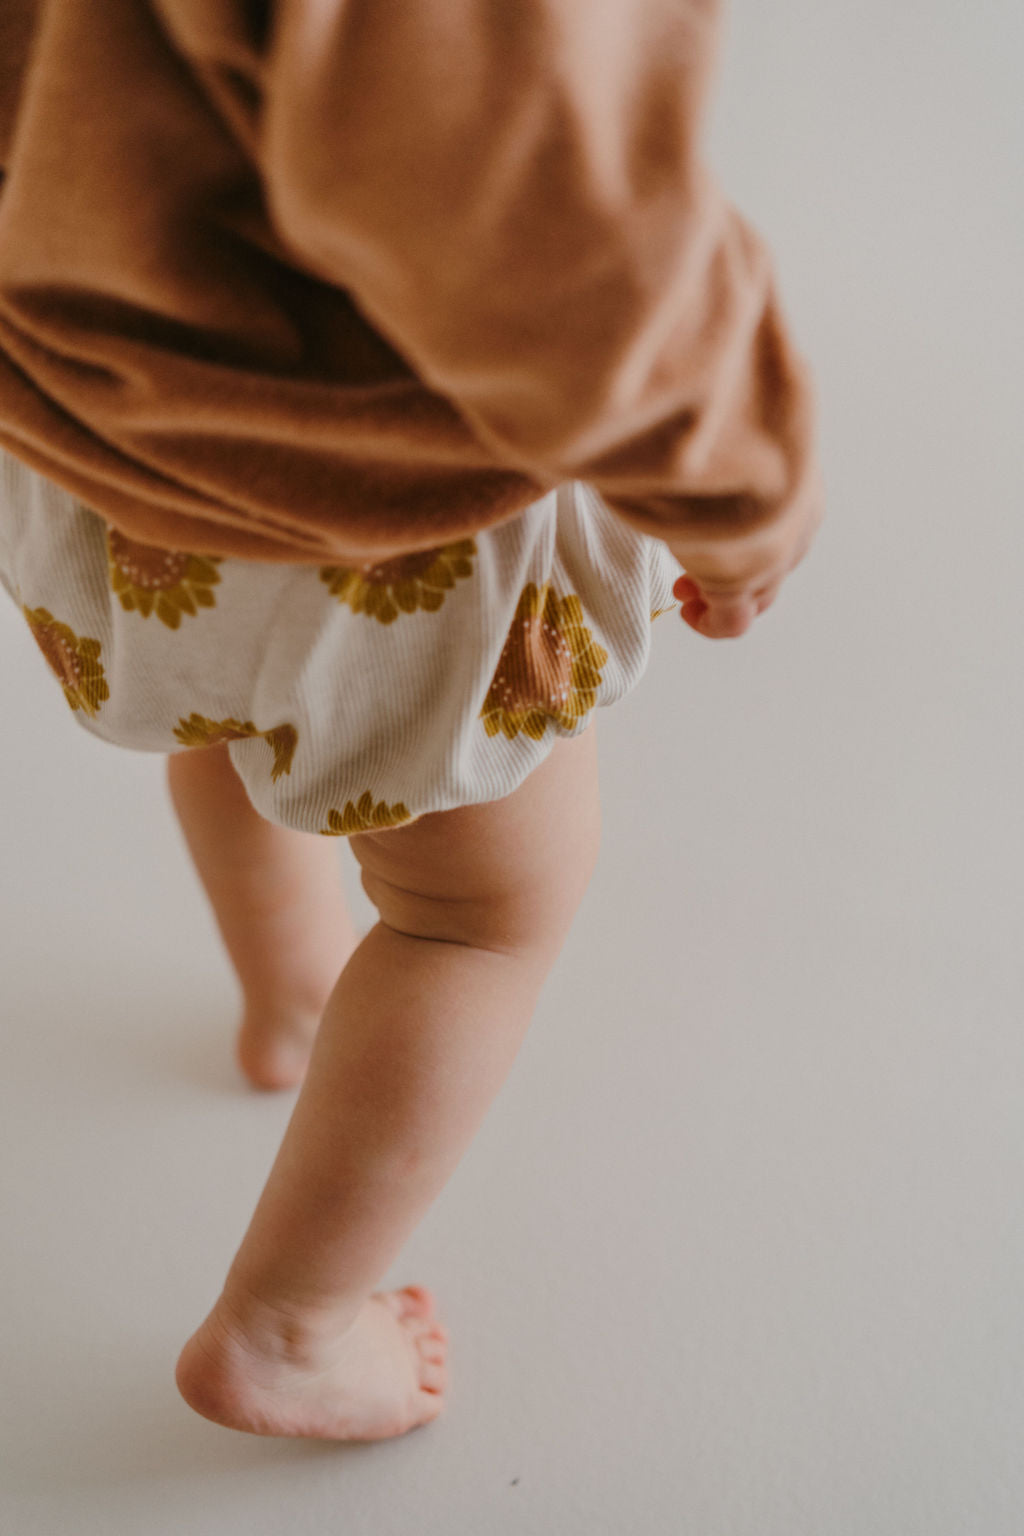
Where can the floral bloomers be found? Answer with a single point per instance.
(352, 698)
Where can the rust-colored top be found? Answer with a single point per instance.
(307, 279)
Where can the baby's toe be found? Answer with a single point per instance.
(429, 1405)
(412, 1301)
(430, 1346)
(432, 1341)
(418, 1300)
(431, 1364)
(432, 1377)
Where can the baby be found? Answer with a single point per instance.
(406, 1048)
(366, 376)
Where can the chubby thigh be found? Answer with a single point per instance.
(504, 874)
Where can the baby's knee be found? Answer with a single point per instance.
(530, 915)
(475, 885)
(505, 875)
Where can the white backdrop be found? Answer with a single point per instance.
(740, 1248)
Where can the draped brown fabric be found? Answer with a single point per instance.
(315, 279)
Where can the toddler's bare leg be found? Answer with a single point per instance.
(277, 897)
(418, 1036)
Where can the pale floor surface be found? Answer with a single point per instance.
(739, 1250)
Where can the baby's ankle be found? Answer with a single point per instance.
(279, 1333)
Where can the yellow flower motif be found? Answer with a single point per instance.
(76, 662)
(419, 580)
(365, 817)
(197, 731)
(167, 580)
(548, 670)
(659, 611)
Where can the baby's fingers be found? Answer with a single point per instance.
(719, 615)
(720, 618)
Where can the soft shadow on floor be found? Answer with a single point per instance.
(109, 1027)
(137, 1431)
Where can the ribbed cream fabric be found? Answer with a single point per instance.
(351, 697)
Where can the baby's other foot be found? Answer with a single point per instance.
(384, 1375)
(276, 1035)
(273, 1045)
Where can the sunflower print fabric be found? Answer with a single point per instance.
(197, 731)
(74, 661)
(402, 585)
(365, 817)
(350, 700)
(166, 582)
(549, 669)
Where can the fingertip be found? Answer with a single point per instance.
(692, 612)
(720, 621)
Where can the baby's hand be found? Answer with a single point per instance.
(729, 581)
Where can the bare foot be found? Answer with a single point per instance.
(384, 1375)
(273, 1045)
(275, 1039)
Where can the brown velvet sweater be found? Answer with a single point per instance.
(314, 279)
